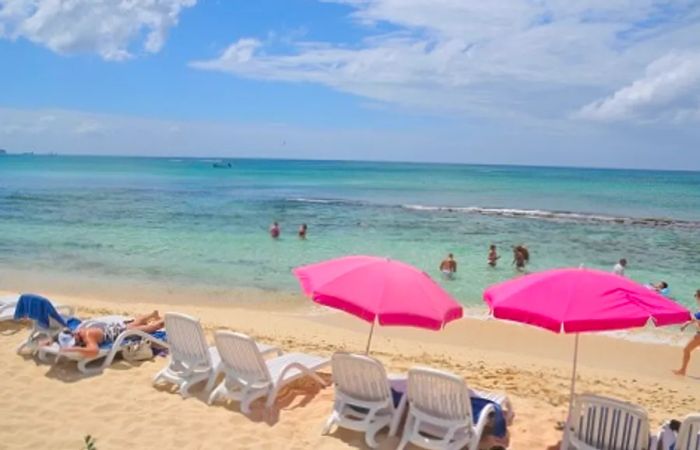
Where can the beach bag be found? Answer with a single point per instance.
(138, 351)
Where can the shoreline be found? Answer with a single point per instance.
(532, 366)
(118, 290)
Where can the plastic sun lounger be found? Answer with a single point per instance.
(192, 360)
(440, 412)
(363, 398)
(247, 376)
(689, 434)
(106, 353)
(601, 423)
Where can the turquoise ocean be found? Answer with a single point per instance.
(180, 221)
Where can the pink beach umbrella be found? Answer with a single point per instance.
(379, 290)
(581, 300)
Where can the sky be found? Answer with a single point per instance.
(597, 83)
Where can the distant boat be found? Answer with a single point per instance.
(222, 165)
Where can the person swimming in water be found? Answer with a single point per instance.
(88, 338)
(694, 341)
(275, 230)
(661, 287)
(493, 256)
(302, 231)
(448, 266)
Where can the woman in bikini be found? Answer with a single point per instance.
(89, 337)
(694, 342)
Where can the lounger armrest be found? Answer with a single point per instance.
(304, 370)
(483, 420)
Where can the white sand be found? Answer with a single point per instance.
(46, 406)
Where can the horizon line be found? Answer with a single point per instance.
(380, 161)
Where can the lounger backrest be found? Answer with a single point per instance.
(360, 377)
(188, 345)
(689, 434)
(439, 394)
(241, 356)
(609, 424)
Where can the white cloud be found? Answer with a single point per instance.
(670, 89)
(537, 59)
(106, 27)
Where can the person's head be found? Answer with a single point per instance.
(697, 296)
(492, 247)
(274, 224)
(303, 226)
(623, 262)
(663, 285)
(450, 256)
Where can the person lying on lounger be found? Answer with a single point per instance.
(87, 340)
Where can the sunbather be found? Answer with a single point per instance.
(87, 339)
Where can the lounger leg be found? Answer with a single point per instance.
(216, 392)
(329, 423)
(370, 437)
(213, 376)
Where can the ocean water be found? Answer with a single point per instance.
(182, 222)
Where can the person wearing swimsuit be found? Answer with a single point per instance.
(89, 337)
(694, 342)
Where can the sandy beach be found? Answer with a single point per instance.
(47, 406)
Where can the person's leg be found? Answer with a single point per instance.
(144, 320)
(150, 327)
(692, 345)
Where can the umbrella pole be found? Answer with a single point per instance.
(369, 341)
(571, 393)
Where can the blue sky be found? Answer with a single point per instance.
(612, 83)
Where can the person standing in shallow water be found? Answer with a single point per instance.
(448, 266)
(302, 231)
(521, 256)
(619, 268)
(275, 230)
(493, 256)
(694, 343)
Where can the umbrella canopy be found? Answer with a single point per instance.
(580, 300)
(379, 289)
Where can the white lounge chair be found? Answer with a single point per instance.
(247, 376)
(440, 412)
(689, 434)
(363, 399)
(106, 353)
(601, 423)
(191, 360)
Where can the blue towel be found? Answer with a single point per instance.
(499, 419)
(395, 398)
(38, 309)
(478, 404)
